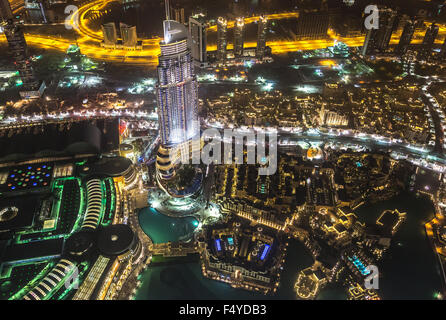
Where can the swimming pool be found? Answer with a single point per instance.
(359, 265)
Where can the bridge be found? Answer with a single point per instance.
(175, 249)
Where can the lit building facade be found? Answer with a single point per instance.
(332, 118)
(177, 96)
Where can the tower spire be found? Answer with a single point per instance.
(167, 9)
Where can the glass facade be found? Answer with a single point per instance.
(177, 90)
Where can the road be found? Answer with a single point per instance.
(16, 5)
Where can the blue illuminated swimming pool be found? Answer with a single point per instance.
(359, 265)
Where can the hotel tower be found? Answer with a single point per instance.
(177, 97)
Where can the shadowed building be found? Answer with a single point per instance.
(239, 30)
(197, 31)
(428, 42)
(406, 38)
(61, 140)
(5, 10)
(312, 26)
(261, 37)
(222, 40)
(17, 45)
(443, 50)
(377, 40)
(178, 14)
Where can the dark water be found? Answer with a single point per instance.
(410, 269)
(333, 292)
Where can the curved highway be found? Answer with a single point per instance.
(89, 39)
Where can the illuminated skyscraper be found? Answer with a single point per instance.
(406, 38)
(197, 31)
(177, 87)
(177, 100)
(177, 95)
(222, 40)
(428, 42)
(239, 30)
(261, 37)
(17, 44)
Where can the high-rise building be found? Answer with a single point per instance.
(17, 44)
(346, 25)
(377, 40)
(406, 38)
(198, 34)
(177, 87)
(367, 46)
(177, 101)
(443, 50)
(387, 18)
(222, 39)
(5, 10)
(128, 35)
(261, 37)
(178, 14)
(428, 42)
(239, 30)
(109, 33)
(36, 11)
